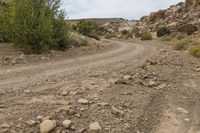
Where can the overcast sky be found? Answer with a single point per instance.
(129, 9)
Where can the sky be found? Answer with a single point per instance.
(128, 9)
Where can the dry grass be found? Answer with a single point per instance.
(185, 42)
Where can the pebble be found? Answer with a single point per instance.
(64, 93)
(182, 110)
(152, 83)
(117, 112)
(39, 118)
(127, 77)
(83, 101)
(82, 130)
(47, 126)
(64, 109)
(5, 125)
(66, 124)
(30, 122)
(162, 86)
(187, 120)
(103, 104)
(95, 127)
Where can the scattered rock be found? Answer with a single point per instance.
(95, 127)
(2, 106)
(187, 120)
(82, 130)
(197, 69)
(64, 109)
(162, 86)
(66, 124)
(5, 125)
(127, 77)
(83, 101)
(152, 83)
(64, 93)
(182, 110)
(39, 118)
(103, 104)
(123, 81)
(152, 62)
(73, 93)
(47, 126)
(117, 112)
(31, 122)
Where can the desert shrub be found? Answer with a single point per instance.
(125, 34)
(180, 45)
(163, 31)
(83, 42)
(37, 25)
(146, 36)
(90, 29)
(195, 51)
(181, 36)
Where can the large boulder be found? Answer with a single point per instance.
(187, 28)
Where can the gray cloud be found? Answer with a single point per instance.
(130, 9)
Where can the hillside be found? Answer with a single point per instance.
(174, 17)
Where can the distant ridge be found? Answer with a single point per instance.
(97, 20)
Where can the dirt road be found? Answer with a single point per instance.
(152, 88)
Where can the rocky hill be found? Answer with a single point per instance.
(183, 14)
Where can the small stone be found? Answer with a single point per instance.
(152, 83)
(64, 109)
(39, 118)
(5, 125)
(182, 110)
(103, 104)
(47, 126)
(31, 122)
(117, 112)
(127, 77)
(152, 62)
(95, 127)
(162, 86)
(82, 130)
(66, 124)
(123, 81)
(83, 101)
(65, 93)
(2, 106)
(27, 91)
(197, 69)
(13, 62)
(73, 93)
(187, 120)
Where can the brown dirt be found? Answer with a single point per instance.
(27, 91)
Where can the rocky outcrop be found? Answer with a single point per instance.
(173, 17)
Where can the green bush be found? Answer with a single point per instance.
(125, 34)
(180, 45)
(90, 29)
(83, 42)
(163, 31)
(146, 36)
(37, 25)
(195, 51)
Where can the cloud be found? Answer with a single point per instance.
(130, 9)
